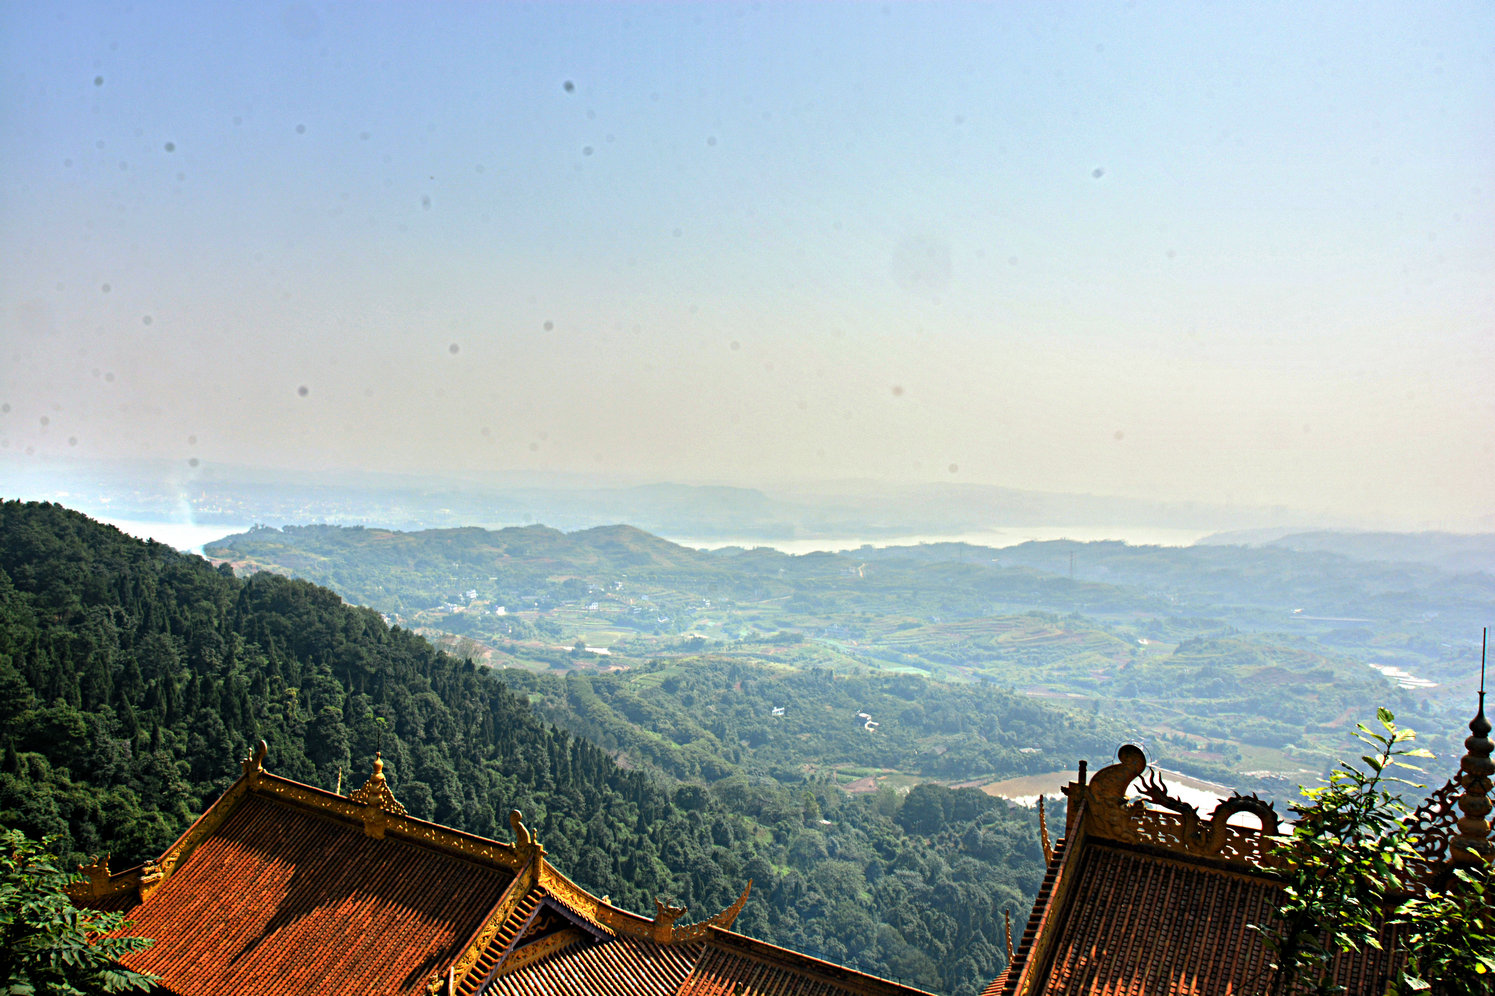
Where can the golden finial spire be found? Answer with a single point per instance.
(1471, 845)
(1007, 916)
(375, 791)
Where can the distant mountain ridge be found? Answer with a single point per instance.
(1456, 552)
(161, 491)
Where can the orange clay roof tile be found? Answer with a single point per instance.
(281, 901)
(1140, 923)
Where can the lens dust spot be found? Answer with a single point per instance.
(1097, 173)
(954, 468)
(586, 150)
(170, 146)
(192, 461)
(300, 20)
(736, 345)
(534, 447)
(454, 349)
(1118, 435)
(897, 390)
(191, 440)
(98, 81)
(303, 390)
(922, 265)
(550, 326)
(301, 129)
(46, 420)
(146, 319)
(72, 440)
(425, 202)
(568, 86)
(106, 288)
(109, 376)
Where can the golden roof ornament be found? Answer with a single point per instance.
(376, 795)
(664, 920)
(254, 765)
(522, 836)
(1472, 845)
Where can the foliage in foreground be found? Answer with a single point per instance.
(47, 946)
(1348, 863)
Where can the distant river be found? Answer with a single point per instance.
(187, 536)
(998, 538)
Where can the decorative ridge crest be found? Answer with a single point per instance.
(1162, 820)
(376, 796)
(662, 929)
(254, 764)
(98, 881)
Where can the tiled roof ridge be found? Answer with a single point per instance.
(373, 808)
(1166, 822)
(470, 959)
(1042, 902)
(1208, 864)
(776, 956)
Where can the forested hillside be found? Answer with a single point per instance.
(1236, 664)
(132, 677)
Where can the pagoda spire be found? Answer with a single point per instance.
(1472, 845)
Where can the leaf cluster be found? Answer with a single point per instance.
(48, 947)
(1351, 882)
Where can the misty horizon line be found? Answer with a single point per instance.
(962, 511)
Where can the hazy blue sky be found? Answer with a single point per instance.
(1218, 251)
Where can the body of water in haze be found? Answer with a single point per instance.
(995, 538)
(191, 536)
(186, 536)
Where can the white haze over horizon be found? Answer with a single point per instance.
(1229, 254)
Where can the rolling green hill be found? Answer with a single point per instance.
(133, 677)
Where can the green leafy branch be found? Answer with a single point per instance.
(49, 947)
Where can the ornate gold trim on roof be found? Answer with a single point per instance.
(373, 806)
(1164, 821)
(527, 878)
(574, 896)
(153, 873)
(662, 929)
(1043, 835)
(378, 799)
(99, 882)
(547, 945)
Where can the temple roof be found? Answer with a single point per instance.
(312, 905)
(283, 889)
(1144, 895)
